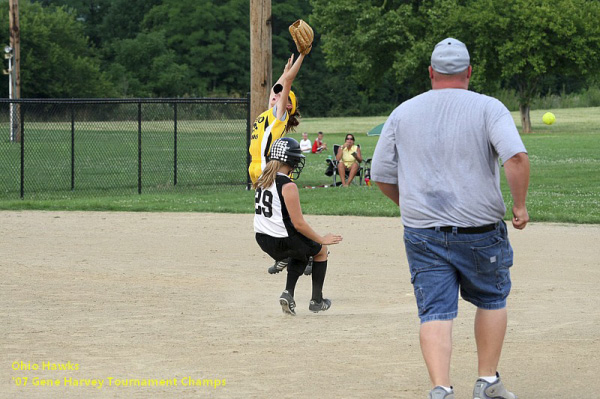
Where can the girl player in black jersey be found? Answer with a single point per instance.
(280, 228)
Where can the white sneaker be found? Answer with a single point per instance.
(441, 393)
(491, 390)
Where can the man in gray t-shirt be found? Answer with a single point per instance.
(438, 159)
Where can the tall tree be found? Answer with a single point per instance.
(211, 37)
(90, 12)
(123, 19)
(528, 44)
(56, 59)
(382, 43)
(144, 66)
(520, 44)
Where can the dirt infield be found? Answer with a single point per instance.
(133, 300)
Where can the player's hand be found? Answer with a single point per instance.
(289, 64)
(331, 239)
(520, 217)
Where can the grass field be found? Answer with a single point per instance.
(106, 158)
(565, 176)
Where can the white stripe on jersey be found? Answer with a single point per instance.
(268, 218)
(267, 140)
(263, 146)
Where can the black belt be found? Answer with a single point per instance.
(467, 230)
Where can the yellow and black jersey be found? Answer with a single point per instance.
(266, 129)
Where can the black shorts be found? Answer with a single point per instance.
(296, 247)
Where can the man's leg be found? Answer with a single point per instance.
(490, 328)
(436, 345)
(436, 286)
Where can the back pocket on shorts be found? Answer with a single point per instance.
(489, 258)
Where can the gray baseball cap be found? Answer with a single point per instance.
(450, 56)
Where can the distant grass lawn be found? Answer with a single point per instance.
(565, 176)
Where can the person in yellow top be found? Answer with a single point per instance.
(350, 157)
(281, 117)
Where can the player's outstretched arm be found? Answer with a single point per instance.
(292, 202)
(286, 68)
(287, 79)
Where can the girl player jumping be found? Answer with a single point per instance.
(280, 228)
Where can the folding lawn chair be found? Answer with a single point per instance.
(364, 168)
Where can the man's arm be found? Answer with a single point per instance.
(391, 191)
(516, 170)
(384, 168)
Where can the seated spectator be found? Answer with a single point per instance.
(305, 145)
(350, 157)
(319, 145)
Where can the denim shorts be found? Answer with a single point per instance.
(442, 263)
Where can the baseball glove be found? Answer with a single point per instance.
(303, 36)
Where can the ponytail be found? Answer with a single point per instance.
(266, 179)
(293, 121)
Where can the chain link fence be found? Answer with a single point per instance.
(61, 148)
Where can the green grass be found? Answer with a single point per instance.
(106, 158)
(565, 166)
(565, 177)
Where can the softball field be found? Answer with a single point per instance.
(180, 305)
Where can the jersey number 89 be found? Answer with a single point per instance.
(263, 203)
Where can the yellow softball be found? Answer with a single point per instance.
(548, 118)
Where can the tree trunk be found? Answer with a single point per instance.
(525, 119)
(15, 43)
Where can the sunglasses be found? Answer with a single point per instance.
(349, 138)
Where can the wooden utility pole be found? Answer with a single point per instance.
(15, 43)
(261, 53)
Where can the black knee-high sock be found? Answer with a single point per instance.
(318, 278)
(294, 271)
